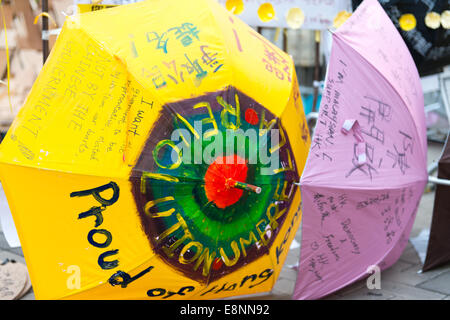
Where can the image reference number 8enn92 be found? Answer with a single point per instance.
(228, 309)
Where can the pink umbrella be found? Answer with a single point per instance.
(367, 167)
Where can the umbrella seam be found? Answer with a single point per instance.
(303, 184)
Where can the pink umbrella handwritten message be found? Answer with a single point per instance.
(366, 170)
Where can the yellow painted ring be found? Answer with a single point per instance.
(445, 19)
(235, 6)
(266, 12)
(407, 22)
(433, 20)
(295, 18)
(340, 18)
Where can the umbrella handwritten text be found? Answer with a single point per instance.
(120, 277)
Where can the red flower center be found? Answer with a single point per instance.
(220, 180)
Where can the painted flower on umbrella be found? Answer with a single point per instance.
(217, 185)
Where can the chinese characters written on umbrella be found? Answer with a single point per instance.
(176, 70)
(375, 116)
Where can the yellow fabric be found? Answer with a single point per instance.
(73, 134)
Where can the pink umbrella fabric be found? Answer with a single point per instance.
(367, 167)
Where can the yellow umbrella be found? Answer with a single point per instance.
(120, 170)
